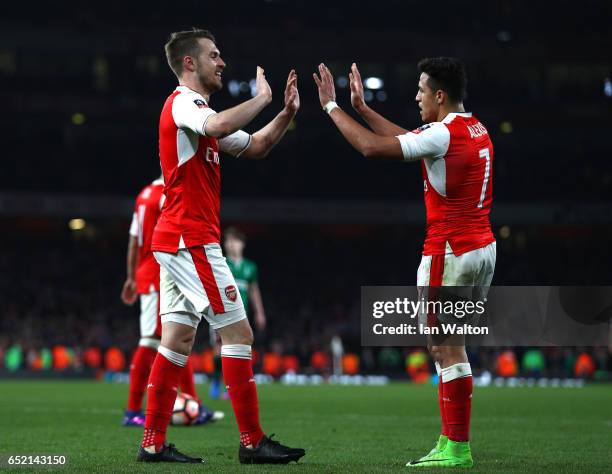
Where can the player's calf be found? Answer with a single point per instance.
(161, 392)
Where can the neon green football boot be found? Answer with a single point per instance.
(440, 445)
(454, 454)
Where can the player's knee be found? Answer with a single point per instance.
(454, 354)
(437, 352)
(237, 333)
(446, 354)
(178, 339)
(186, 345)
(181, 347)
(244, 337)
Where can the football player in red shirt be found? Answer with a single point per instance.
(195, 280)
(142, 283)
(456, 156)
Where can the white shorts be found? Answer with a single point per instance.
(473, 268)
(197, 282)
(150, 324)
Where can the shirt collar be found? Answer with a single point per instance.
(449, 118)
(185, 89)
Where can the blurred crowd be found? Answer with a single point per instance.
(405, 363)
(60, 306)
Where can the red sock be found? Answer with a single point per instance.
(441, 404)
(187, 381)
(458, 400)
(140, 368)
(161, 394)
(238, 376)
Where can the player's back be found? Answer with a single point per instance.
(146, 213)
(459, 200)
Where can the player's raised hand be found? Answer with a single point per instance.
(128, 292)
(357, 94)
(292, 96)
(261, 85)
(325, 85)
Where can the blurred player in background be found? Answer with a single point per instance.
(246, 275)
(142, 283)
(456, 156)
(195, 280)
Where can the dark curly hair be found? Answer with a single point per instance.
(447, 74)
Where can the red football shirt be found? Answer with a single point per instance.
(457, 165)
(146, 212)
(191, 168)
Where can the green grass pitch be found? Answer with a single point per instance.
(343, 428)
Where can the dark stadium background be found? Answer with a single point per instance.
(82, 84)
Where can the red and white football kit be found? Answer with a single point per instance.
(195, 280)
(459, 250)
(457, 164)
(146, 212)
(194, 277)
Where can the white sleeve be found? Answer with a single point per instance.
(432, 142)
(188, 115)
(134, 226)
(236, 143)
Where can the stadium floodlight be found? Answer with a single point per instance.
(76, 224)
(368, 96)
(234, 88)
(381, 96)
(373, 83)
(608, 87)
(78, 118)
(253, 85)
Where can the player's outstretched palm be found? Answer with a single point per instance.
(325, 85)
(357, 94)
(292, 96)
(261, 84)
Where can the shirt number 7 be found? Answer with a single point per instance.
(484, 153)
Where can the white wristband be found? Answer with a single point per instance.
(331, 105)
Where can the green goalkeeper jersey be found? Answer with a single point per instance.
(245, 273)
